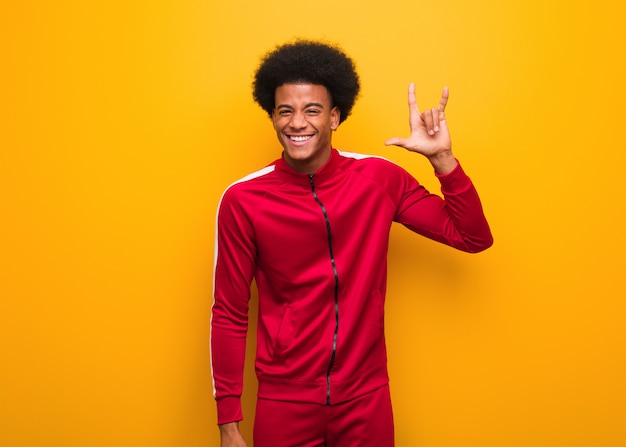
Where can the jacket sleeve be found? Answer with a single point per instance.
(235, 253)
(457, 219)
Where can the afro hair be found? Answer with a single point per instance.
(307, 62)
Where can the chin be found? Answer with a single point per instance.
(298, 154)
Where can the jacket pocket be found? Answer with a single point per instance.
(283, 337)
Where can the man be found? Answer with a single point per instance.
(312, 228)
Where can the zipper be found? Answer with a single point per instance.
(336, 294)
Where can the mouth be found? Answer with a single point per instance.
(299, 139)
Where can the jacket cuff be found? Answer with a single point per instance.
(455, 181)
(229, 410)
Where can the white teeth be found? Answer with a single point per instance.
(299, 139)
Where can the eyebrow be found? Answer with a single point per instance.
(310, 104)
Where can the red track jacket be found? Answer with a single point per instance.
(317, 247)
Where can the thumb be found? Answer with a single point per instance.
(395, 141)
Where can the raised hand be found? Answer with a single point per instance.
(429, 133)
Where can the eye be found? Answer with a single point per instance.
(284, 112)
(313, 112)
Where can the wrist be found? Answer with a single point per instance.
(229, 428)
(443, 162)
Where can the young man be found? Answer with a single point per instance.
(312, 228)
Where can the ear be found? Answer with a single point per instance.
(335, 118)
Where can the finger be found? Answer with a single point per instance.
(444, 99)
(396, 142)
(412, 100)
(414, 113)
(435, 113)
(428, 121)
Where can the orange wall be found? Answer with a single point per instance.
(121, 123)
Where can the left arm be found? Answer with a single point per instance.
(457, 219)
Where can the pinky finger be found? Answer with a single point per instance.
(444, 99)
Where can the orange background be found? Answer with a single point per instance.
(121, 123)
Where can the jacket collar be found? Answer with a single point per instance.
(324, 174)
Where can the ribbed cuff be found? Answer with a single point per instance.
(229, 410)
(455, 181)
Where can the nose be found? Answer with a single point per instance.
(298, 121)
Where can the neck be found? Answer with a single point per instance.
(307, 166)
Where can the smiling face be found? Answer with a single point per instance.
(304, 120)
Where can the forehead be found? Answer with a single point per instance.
(301, 94)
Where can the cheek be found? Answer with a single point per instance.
(280, 123)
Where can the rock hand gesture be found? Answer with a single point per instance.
(429, 134)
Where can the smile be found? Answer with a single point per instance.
(300, 138)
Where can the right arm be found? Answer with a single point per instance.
(235, 255)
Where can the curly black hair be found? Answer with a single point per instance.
(307, 62)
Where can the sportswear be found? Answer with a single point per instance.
(316, 244)
(364, 421)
